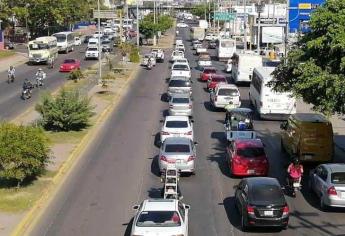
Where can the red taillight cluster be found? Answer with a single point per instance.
(286, 210)
(236, 161)
(191, 158)
(250, 210)
(190, 106)
(331, 191)
(163, 158)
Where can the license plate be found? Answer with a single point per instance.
(268, 213)
(295, 185)
(227, 98)
(250, 172)
(179, 161)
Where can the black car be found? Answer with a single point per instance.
(212, 45)
(260, 202)
(86, 38)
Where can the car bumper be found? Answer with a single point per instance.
(38, 60)
(334, 202)
(163, 137)
(267, 222)
(66, 70)
(244, 171)
(185, 167)
(223, 105)
(173, 112)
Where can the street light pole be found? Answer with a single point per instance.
(138, 25)
(154, 21)
(245, 25)
(99, 45)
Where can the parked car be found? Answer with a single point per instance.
(91, 53)
(212, 44)
(69, 64)
(182, 25)
(77, 41)
(207, 71)
(178, 151)
(327, 181)
(247, 157)
(225, 95)
(180, 104)
(180, 69)
(260, 202)
(177, 126)
(161, 215)
(180, 47)
(179, 86)
(8, 44)
(159, 54)
(177, 55)
(215, 79)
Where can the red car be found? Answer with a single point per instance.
(247, 158)
(69, 64)
(132, 33)
(207, 72)
(215, 79)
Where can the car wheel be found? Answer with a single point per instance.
(244, 226)
(285, 227)
(323, 206)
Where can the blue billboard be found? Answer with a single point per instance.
(299, 14)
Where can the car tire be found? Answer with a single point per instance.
(285, 227)
(244, 226)
(323, 206)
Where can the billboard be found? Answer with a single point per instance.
(272, 34)
(299, 14)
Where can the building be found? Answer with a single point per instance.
(299, 14)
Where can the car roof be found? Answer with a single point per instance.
(335, 167)
(177, 118)
(221, 85)
(160, 205)
(177, 140)
(265, 72)
(309, 117)
(261, 181)
(180, 95)
(245, 143)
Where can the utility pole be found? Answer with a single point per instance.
(209, 13)
(138, 35)
(154, 21)
(259, 8)
(245, 25)
(99, 45)
(218, 20)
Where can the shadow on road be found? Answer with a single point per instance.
(155, 166)
(164, 97)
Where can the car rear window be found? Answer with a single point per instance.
(227, 92)
(338, 178)
(209, 71)
(179, 83)
(251, 152)
(69, 61)
(158, 219)
(267, 194)
(180, 67)
(92, 49)
(176, 124)
(180, 100)
(177, 148)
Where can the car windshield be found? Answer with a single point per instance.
(227, 44)
(251, 152)
(180, 100)
(267, 194)
(179, 83)
(181, 67)
(60, 37)
(105, 42)
(218, 79)
(92, 49)
(38, 46)
(176, 124)
(177, 148)
(69, 61)
(209, 71)
(338, 178)
(227, 92)
(158, 219)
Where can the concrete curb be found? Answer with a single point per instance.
(32, 217)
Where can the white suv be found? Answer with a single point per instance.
(225, 95)
(177, 126)
(91, 53)
(163, 217)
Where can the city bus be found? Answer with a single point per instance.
(65, 41)
(226, 48)
(42, 48)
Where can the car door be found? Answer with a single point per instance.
(240, 196)
(319, 180)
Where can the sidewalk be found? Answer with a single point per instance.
(338, 124)
(15, 60)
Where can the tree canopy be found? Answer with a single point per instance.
(315, 68)
(148, 28)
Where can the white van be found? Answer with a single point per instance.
(243, 65)
(268, 103)
(65, 41)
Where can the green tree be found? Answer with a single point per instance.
(69, 110)
(315, 68)
(149, 29)
(24, 152)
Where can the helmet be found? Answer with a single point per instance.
(11, 67)
(39, 69)
(295, 161)
(26, 80)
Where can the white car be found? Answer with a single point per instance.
(182, 61)
(160, 217)
(158, 53)
(77, 41)
(177, 55)
(182, 25)
(98, 34)
(180, 47)
(178, 41)
(91, 53)
(181, 69)
(201, 49)
(177, 126)
(225, 96)
(210, 37)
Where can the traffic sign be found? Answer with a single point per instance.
(105, 14)
(224, 16)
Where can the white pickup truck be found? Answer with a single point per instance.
(158, 53)
(238, 124)
(204, 60)
(180, 69)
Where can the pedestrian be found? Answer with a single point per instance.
(124, 56)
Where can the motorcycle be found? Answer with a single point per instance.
(294, 185)
(39, 82)
(26, 93)
(10, 78)
(51, 64)
(149, 65)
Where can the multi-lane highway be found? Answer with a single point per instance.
(120, 170)
(11, 103)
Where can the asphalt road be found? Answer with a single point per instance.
(11, 103)
(120, 170)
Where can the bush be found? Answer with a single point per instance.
(67, 111)
(24, 152)
(76, 75)
(134, 55)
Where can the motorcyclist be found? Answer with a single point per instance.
(295, 171)
(51, 62)
(150, 62)
(11, 72)
(40, 76)
(27, 85)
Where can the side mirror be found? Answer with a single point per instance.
(187, 207)
(192, 121)
(136, 207)
(180, 198)
(196, 143)
(161, 121)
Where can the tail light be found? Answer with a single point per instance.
(286, 210)
(191, 158)
(331, 191)
(164, 133)
(237, 160)
(188, 133)
(190, 106)
(163, 158)
(250, 210)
